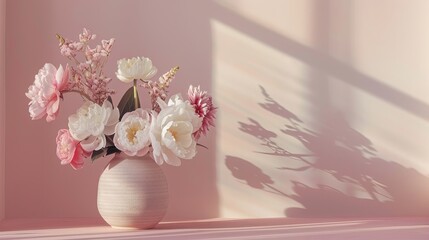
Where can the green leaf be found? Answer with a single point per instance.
(201, 145)
(110, 100)
(128, 103)
(98, 154)
(111, 150)
(103, 152)
(109, 141)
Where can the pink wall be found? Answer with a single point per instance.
(323, 106)
(2, 105)
(170, 33)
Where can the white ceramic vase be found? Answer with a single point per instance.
(132, 192)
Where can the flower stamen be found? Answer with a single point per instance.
(131, 133)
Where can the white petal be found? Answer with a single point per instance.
(90, 144)
(170, 158)
(124, 78)
(109, 129)
(161, 103)
(151, 73)
(102, 142)
(59, 75)
(111, 123)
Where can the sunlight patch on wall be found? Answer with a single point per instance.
(324, 138)
(263, 95)
(398, 136)
(245, 69)
(397, 58)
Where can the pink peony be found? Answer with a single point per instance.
(204, 108)
(69, 151)
(46, 91)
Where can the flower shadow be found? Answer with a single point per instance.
(245, 170)
(339, 151)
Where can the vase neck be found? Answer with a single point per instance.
(123, 155)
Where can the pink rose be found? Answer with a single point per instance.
(69, 151)
(46, 90)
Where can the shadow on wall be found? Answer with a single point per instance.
(343, 153)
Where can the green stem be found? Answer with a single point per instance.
(136, 100)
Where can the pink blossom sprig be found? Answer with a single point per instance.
(87, 75)
(159, 89)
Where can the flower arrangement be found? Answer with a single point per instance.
(169, 131)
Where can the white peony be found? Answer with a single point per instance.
(91, 123)
(135, 68)
(171, 132)
(132, 133)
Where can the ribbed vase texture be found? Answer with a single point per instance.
(132, 192)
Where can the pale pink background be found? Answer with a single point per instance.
(323, 105)
(2, 103)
